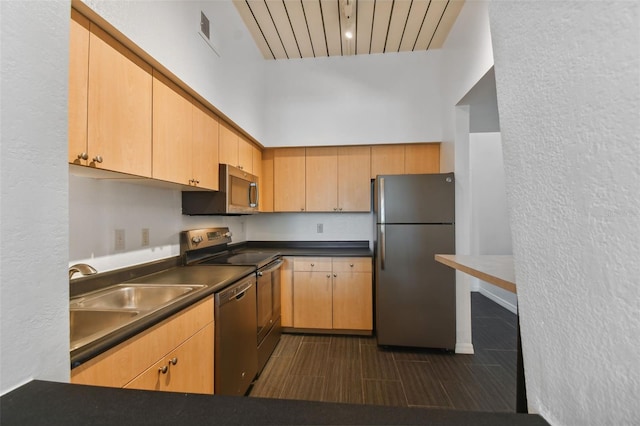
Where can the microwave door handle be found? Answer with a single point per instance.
(253, 189)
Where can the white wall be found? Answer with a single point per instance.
(97, 207)
(34, 293)
(303, 226)
(364, 99)
(167, 30)
(490, 229)
(568, 83)
(467, 56)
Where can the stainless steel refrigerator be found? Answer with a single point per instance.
(415, 295)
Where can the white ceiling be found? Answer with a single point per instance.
(287, 29)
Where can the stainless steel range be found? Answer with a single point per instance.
(209, 246)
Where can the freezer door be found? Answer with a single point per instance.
(415, 198)
(415, 295)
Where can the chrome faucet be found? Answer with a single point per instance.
(83, 268)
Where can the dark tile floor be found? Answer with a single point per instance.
(355, 370)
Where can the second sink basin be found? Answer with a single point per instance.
(134, 296)
(91, 324)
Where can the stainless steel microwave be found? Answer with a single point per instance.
(238, 195)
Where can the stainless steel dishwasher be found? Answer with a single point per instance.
(236, 353)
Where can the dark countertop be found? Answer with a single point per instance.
(49, 403)
(214, 278)
(310, 248)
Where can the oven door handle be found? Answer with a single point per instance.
(276, 265)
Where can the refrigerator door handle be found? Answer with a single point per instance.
(383, 244)
(382, 209)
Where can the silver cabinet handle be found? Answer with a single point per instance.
(335, 275)
(313, 264)
(163, 369)
(97, 159)
(328, 275)
(351, 265)
(174, 361)
(83, 156)
(301, 209)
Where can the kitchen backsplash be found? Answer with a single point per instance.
(99, 207)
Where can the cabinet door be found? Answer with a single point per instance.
(321, 167)
(352, 294)
(289, 180)
(245, 155)
(312, 299)
(78, 86)
(228, 149)
(189, 368)
(265, 185)
(354, 178)
(422, 158)
(205, 148)
(387, 160)
(119, 107)
(172, 132)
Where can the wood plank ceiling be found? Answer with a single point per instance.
(288, 29)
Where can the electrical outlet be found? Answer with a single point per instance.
(119, 245)
(145, 237)
(319, 228)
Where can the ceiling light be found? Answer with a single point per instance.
(348, 34)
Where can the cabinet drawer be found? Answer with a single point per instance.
(119, 365)
(352, 264)
(310, 264)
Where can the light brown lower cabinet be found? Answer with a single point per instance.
(182, 370)
(187, 336)
(332, 293)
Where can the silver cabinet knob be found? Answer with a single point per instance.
(328, 275)
(83, 156)
(163, 369)
(174, 361)
(97, 159)
(351, 265)
(335, 275)
(313, 264)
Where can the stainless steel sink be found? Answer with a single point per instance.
(133, 296)
(90, 325)
(96, 314)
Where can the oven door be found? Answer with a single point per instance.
(268, 297)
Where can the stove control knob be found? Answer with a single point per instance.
(197, 239)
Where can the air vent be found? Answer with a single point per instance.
(208, 33)
(204, 25)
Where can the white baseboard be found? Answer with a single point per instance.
(499, 300)
(464, 348)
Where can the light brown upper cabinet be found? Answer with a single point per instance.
(172, 132)
(205, 147)
(265, 186)
(78, 87)
(354, 183)
(387, 160)
(405, 159)
(289, 180)
(245, 155)
(235, 150)
(337, 179)
(228, 149)
(422, 158)
(119, 107)
(321, 179)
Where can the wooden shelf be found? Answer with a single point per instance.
(494, 269)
